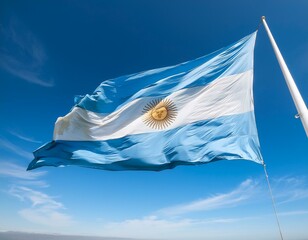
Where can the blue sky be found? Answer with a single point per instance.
(51, 51)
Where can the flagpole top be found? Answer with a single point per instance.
(263, 18)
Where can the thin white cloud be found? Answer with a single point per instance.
(242, 193)
(173, 223)
(16, 149)
(22, 54)
(33, 183)
(24, 138)
(288, 189)
(161, 228)
(293, 213)
(13, 170)
(44, 210)
(169, 222)
(145, 227)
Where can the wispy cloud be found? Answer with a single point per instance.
(33, 183)
(293, 213)
(172, 221)
(15, 149)
(168, 228)
(147, 226)
(22, 54)
(288, 189)
(13, 170)
(243, 192)
(44, 209)
(169, 221)
(23, 137)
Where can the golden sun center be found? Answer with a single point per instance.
(159, 113)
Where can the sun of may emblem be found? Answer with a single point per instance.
(159, 113)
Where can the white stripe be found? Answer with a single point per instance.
(222, 97)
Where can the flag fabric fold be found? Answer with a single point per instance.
(188, 114)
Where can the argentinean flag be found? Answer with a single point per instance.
(188, 114)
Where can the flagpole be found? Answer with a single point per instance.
(273, 200)
(297, 98)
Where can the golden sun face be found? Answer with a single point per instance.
(159, 113)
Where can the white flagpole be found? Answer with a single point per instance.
(297, 98)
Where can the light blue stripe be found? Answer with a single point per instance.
(226, 138)
(114, 93)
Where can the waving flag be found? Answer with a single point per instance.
(192, 113)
